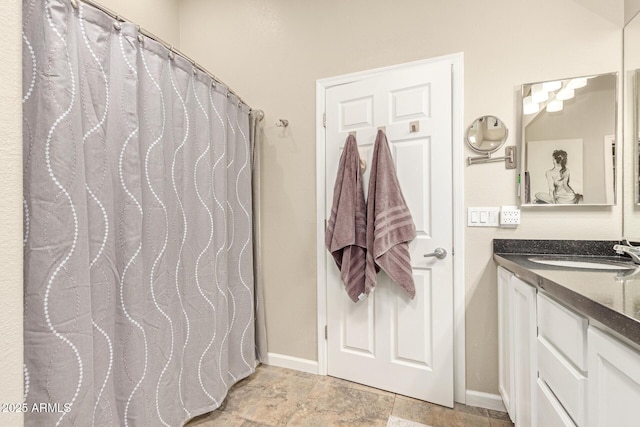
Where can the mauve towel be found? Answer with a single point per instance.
(345, 236)
(390, 227)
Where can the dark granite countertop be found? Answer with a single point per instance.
(611, 297)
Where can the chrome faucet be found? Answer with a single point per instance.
(627, 248)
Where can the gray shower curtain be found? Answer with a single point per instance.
(257, 138)
(139, 298)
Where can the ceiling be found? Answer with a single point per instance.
(617, 11)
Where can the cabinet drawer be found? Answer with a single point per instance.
(550, 411)
(564, 329)
(567, 384)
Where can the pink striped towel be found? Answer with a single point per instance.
(345, 236)
(390, 227)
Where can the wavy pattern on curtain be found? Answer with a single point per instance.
(138, 241)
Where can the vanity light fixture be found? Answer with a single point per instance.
(538, 94)
(577, 83)
(551, 86)
(565, 94)
(554, 106)
(529, 107)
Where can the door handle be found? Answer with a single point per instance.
(439, 253)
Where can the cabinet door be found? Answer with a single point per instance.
(505, 351)
(614, 381)
(523, 306)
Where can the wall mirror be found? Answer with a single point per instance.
(486, 134)
(631, 129)
(569, 141)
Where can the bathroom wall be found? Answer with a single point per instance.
(11, 384)
(273, 51)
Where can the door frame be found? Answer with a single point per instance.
(458, 160)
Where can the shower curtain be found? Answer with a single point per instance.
(257, 138)
(139, 298)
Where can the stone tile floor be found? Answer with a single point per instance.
(274, 397)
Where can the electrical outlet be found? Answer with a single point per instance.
(509, 216)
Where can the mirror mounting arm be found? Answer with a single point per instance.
(509, 158)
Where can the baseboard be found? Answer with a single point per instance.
(485, 400)
(290, 362)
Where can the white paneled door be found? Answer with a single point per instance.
(389, 341)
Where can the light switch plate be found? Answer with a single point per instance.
(483, 217)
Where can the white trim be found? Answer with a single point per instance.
(459, 297)
(320, 227)
(328, 82)
(485, 400)
(457, 61)
(290, 362)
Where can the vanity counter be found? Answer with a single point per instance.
(611, 297)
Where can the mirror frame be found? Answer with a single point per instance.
(634, 137)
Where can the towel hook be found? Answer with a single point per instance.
(282, 123)
(363, 165)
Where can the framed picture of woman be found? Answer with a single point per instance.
(556, 171)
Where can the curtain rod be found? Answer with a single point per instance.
(146, 33)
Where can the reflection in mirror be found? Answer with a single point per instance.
(636, 141)
(631, 56)
(486, 134)
(569, 131)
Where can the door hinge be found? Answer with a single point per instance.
(326, 332)
(324, 120)
(325, 225)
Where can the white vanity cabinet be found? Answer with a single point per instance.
(614, 381)
(558, 369)
(517, 347)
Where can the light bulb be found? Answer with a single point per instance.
(529, 107)
(554, 106)
(551, 86)
(538, 94)
(577, 83)
(564, 94)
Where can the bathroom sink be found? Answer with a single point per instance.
(583, 263)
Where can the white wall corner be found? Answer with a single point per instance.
(290, 362)
(485, 400)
